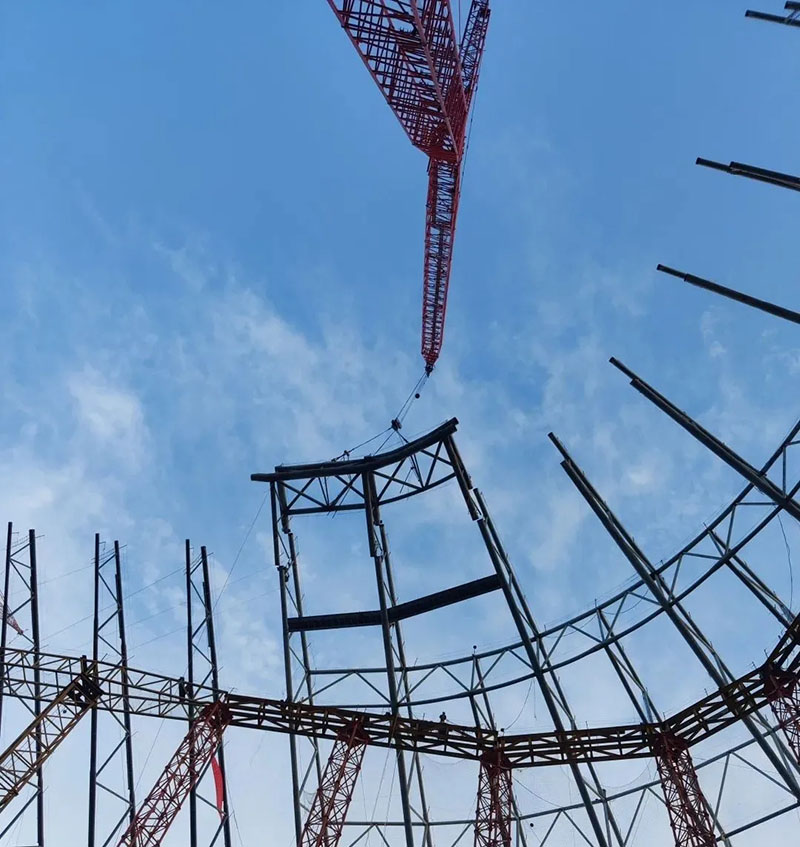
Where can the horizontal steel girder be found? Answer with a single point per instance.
(161, 696)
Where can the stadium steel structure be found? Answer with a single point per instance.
(60, 691)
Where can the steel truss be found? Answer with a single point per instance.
(154, 695)
(434, 459)
(720, 547)
(149, 694)
(432, 102)
(415, 468)
(328, 811)
(108, 756)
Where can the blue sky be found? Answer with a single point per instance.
(210, 252)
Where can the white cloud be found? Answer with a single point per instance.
(113, 416)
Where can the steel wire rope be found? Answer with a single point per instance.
(149, 753)
(789, 561)
(139, 590)
(127, 596)
(378, 792)
(239, 551)
(397, 419)
(522, 707)
(389, 796)
(182, 627)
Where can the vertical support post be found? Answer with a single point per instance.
(203, 672)
(399, 647)
(108, 633)
(20, 593)
(372, 514)
(190, 694)
(4, 617)
(688, 810)
(286, 560)
(93, 716)
(283, 579)
(328, 811)
(126, 697)
(38, 705)
(212, 655)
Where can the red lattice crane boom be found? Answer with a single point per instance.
(182, 773)
(429, 80)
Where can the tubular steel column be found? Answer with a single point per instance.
(190, 751)
(399, 646)
(373, 518)
(203, 671)
(332, 800)
(495, 801)
(292, 601)
(554, 698)
(20, 611)
(110, 631)
(680, 618)
(688, 809)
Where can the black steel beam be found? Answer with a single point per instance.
(732, 294)
(401, 611)
(715, 445)
(787, 20)
(752, 172)
(357, 466)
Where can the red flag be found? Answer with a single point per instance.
(219, 786)
(10, 619)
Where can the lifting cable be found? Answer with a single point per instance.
(395, 425)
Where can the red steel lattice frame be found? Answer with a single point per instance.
(181, 774)
(688, 809)
(495, 801)
(783, 692)
(328, 811)
(412, 55)
(429, 81)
